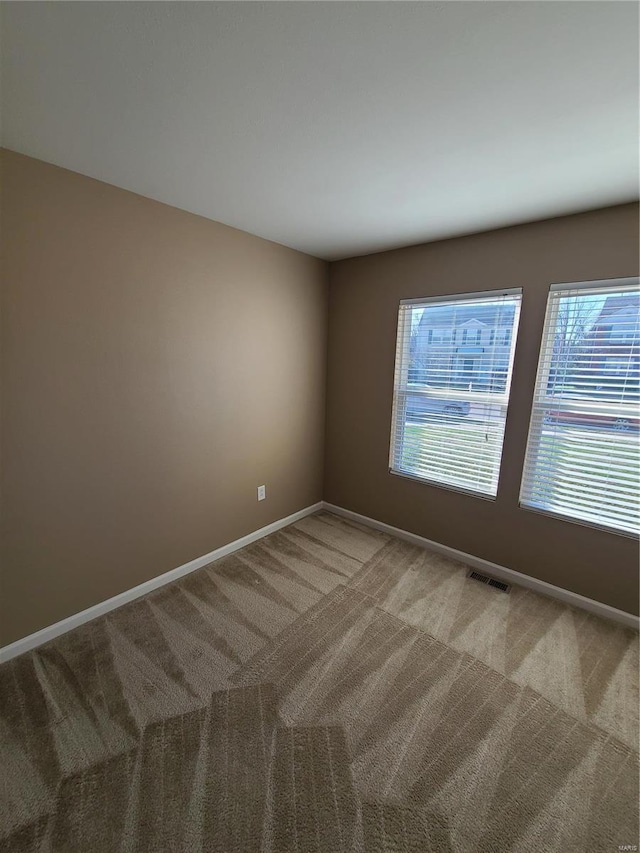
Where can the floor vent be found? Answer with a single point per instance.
(476, 576)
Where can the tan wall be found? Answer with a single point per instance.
(156, 368)
(364, 296)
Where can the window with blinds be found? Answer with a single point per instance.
(583, 453)
(454, 359)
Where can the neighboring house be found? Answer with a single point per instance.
(611, 348)
(472, 343)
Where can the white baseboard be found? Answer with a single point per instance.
(501, 572)
(509, 575)
(52, 631)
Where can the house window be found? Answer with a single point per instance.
(583, 454)
(450, 400)
(470, 337)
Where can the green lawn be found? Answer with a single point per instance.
(446, 452)
(609, 462)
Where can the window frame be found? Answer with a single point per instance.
(501, 400)
(543, 370)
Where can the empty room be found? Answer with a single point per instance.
(320, 426)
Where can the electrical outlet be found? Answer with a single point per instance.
(262, 492)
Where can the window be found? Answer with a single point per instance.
(471, 337)
(583, 453)
(450, 401)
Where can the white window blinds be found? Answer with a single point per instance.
(583, 453)
(454, 359)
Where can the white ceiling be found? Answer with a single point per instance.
(335, 128)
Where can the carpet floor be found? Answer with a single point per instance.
(328, 689)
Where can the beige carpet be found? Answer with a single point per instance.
(326, 689)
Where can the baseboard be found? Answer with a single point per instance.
(501, 572)
(49, 633)
(52, 631)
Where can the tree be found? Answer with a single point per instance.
(576, 316)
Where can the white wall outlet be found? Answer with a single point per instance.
(262, 492)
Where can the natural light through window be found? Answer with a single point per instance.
(454, 360)
(583, 454)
